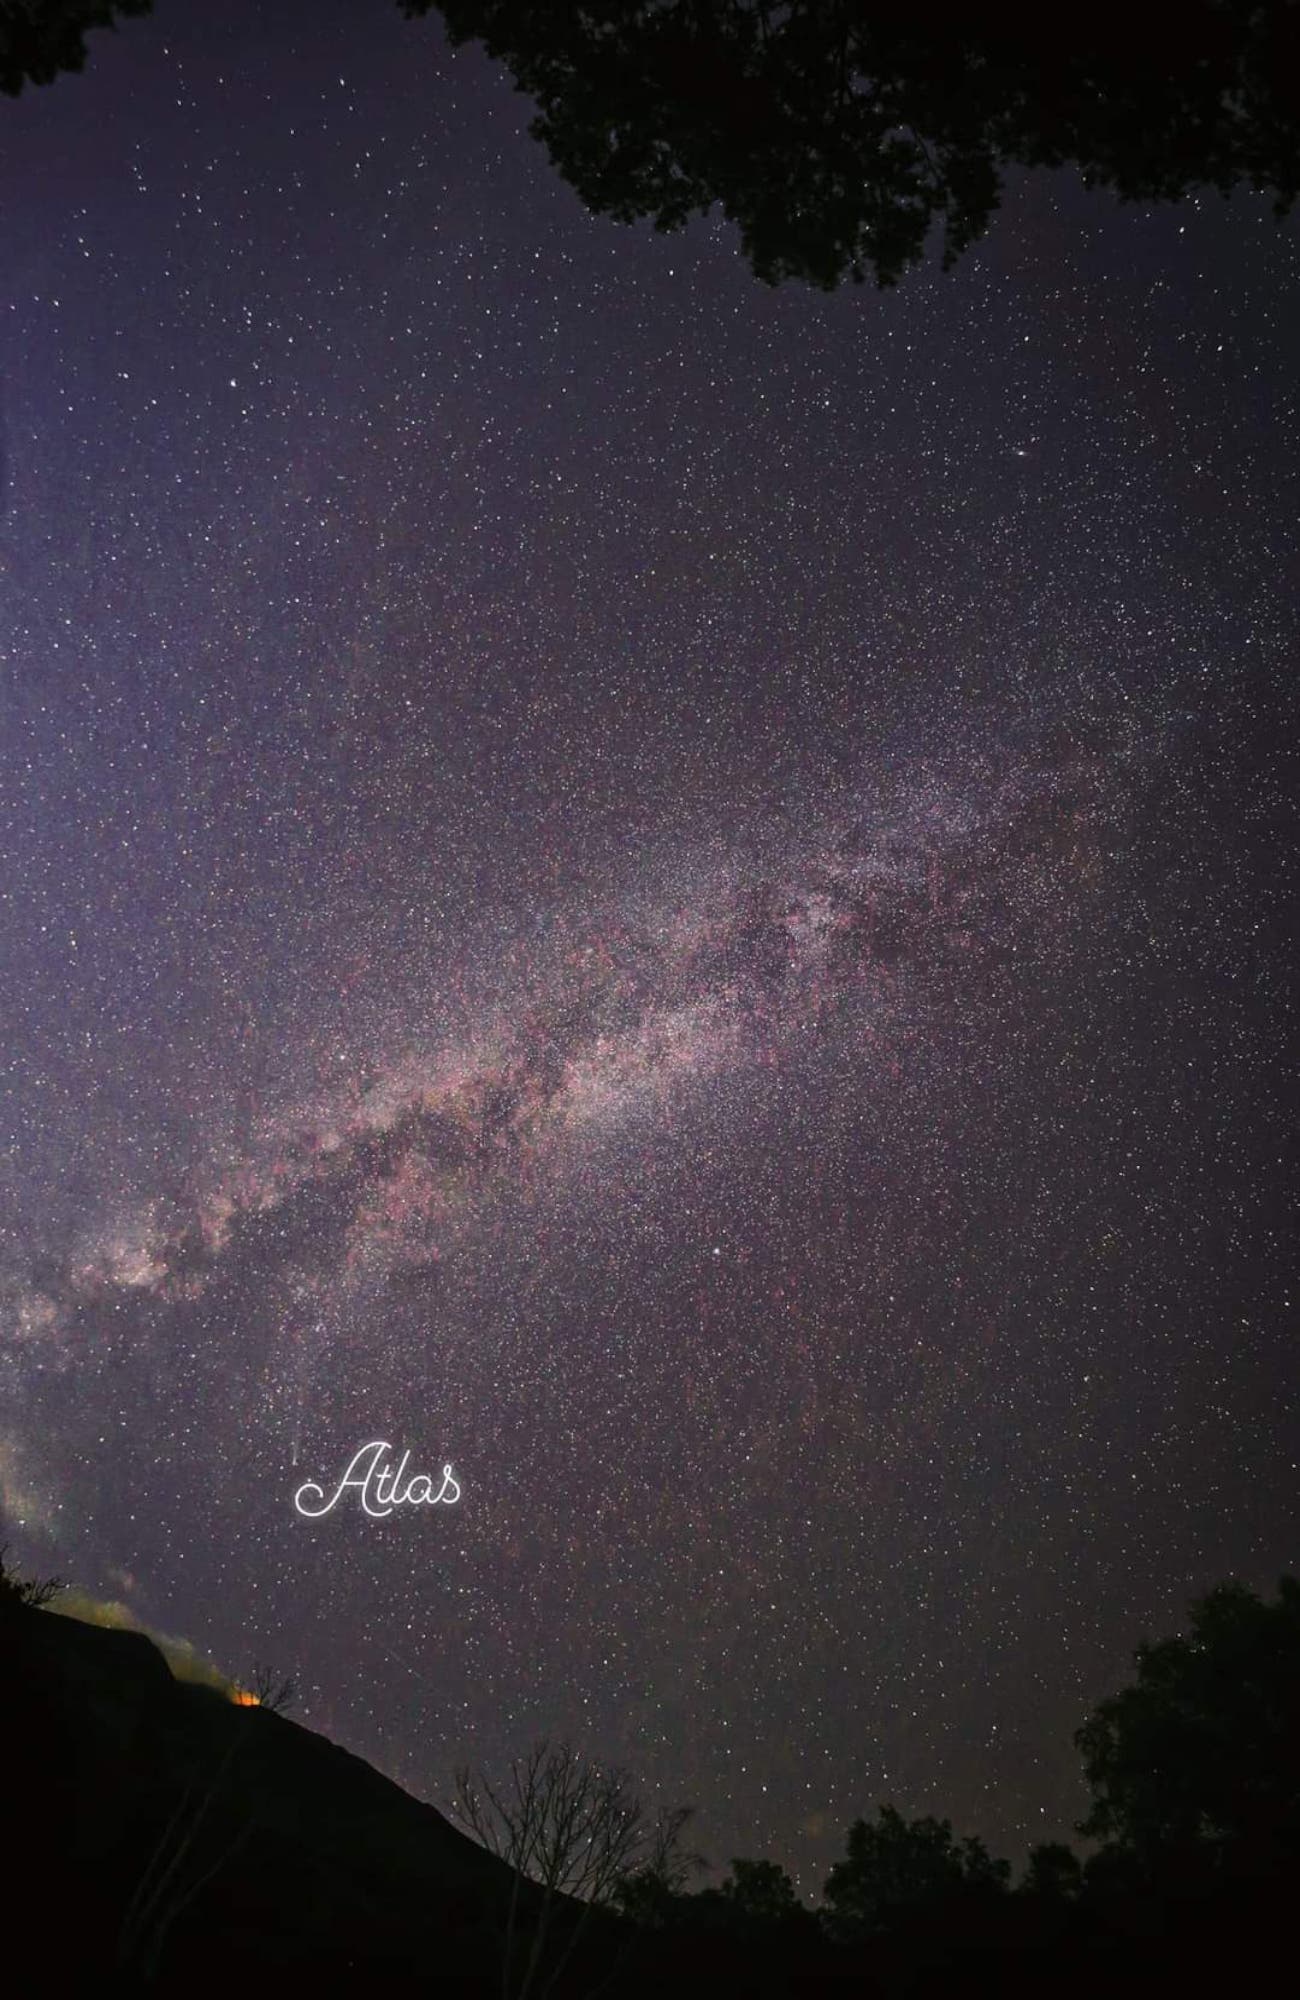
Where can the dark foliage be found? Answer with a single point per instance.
(836, 133)
(1053, 1874)
(900, 1873)
(40, 39)
(1203, 1749)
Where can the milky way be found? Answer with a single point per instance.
(896, 914)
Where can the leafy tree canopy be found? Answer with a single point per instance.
(761, 1892)
(1053, 1872)
(898, 1871)
(836, 133)
(1204, 1746)
(40, 39)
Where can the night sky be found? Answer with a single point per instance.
(675, 894)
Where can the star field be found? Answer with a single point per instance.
(679, 894)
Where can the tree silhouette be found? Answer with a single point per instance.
(761, 1892)
(265, 1688)
(40, 39)
(31, 1590)
(836, 133)
(900, 1871)
(1053, 1873)
(576, 1832)
(1203, 1749)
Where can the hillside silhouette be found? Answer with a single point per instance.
(163, 1837)
(184, 1835)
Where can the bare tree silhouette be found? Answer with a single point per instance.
(575, 1831)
